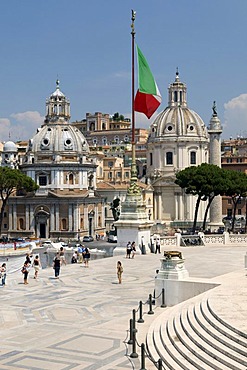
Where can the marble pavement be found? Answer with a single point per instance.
(81, 320)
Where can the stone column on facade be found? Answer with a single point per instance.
(14, 217)
(86, 218)
(57, 216)
(215, 131)
(27, 210)
(160, 206)
(70, 217)
(96, 216)
(52, 217)
(176, 206)
(11, 217)
(32, 220)
(180, 207)
(75, 217)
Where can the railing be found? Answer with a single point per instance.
(132, 333)
(204, 239)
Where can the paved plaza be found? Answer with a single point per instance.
(81, 320)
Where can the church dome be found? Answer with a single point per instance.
(9, 146)
(57, 136)
(177, 121)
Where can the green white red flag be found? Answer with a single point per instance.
(148, 97)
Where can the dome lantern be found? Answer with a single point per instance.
(177, 93)
(57, 106)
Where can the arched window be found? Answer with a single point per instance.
(104, 140)
(71, 179)
(169, 158)
(82, 223)
(192, 157)
(64, 224)
(103, 126)
(92, 126)
(99, 221)
(21, 224)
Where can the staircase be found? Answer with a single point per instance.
(193, 335)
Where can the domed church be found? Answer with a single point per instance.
(178, 139)
(57, 159)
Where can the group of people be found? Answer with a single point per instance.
(83, 255)
(130, 250)
(27, 266)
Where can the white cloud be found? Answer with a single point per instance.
(20, 126)
(29, 116)
(235, 117)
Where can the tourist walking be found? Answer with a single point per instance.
(157, 246)
(128, 250)
(86, 256)
(25, 271)
(56, 265)
(79, 252)
(119, 271)
(133, 249)
(3, 273)
(28, 259)
(36, 266)
(62, 256)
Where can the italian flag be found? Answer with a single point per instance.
(148, 97)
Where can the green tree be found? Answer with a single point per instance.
(237, 189)
(11, 181)
(206, 181)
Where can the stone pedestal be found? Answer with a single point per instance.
(172, 267)
(133, 225)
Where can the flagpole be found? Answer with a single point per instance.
(133, 188)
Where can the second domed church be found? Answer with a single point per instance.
(178, 139)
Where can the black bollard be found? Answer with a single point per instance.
(163, 298)
(130, 341)
(134, 320)
(160, 364)
(142, 357)
(150, 312)
(140, 313)
(134, 354)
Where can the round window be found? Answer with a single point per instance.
(45, 141)
(169, 128)
(68, 142)
(191, 128)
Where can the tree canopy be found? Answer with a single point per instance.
(207, 181)
(11, 181)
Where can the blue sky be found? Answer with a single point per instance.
(87, 44)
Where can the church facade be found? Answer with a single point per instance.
(57, 159)
(178, 139)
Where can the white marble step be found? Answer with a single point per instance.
(186, 348)
(226, 324)
(223, 336)
(157, 349)
(204, 347)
